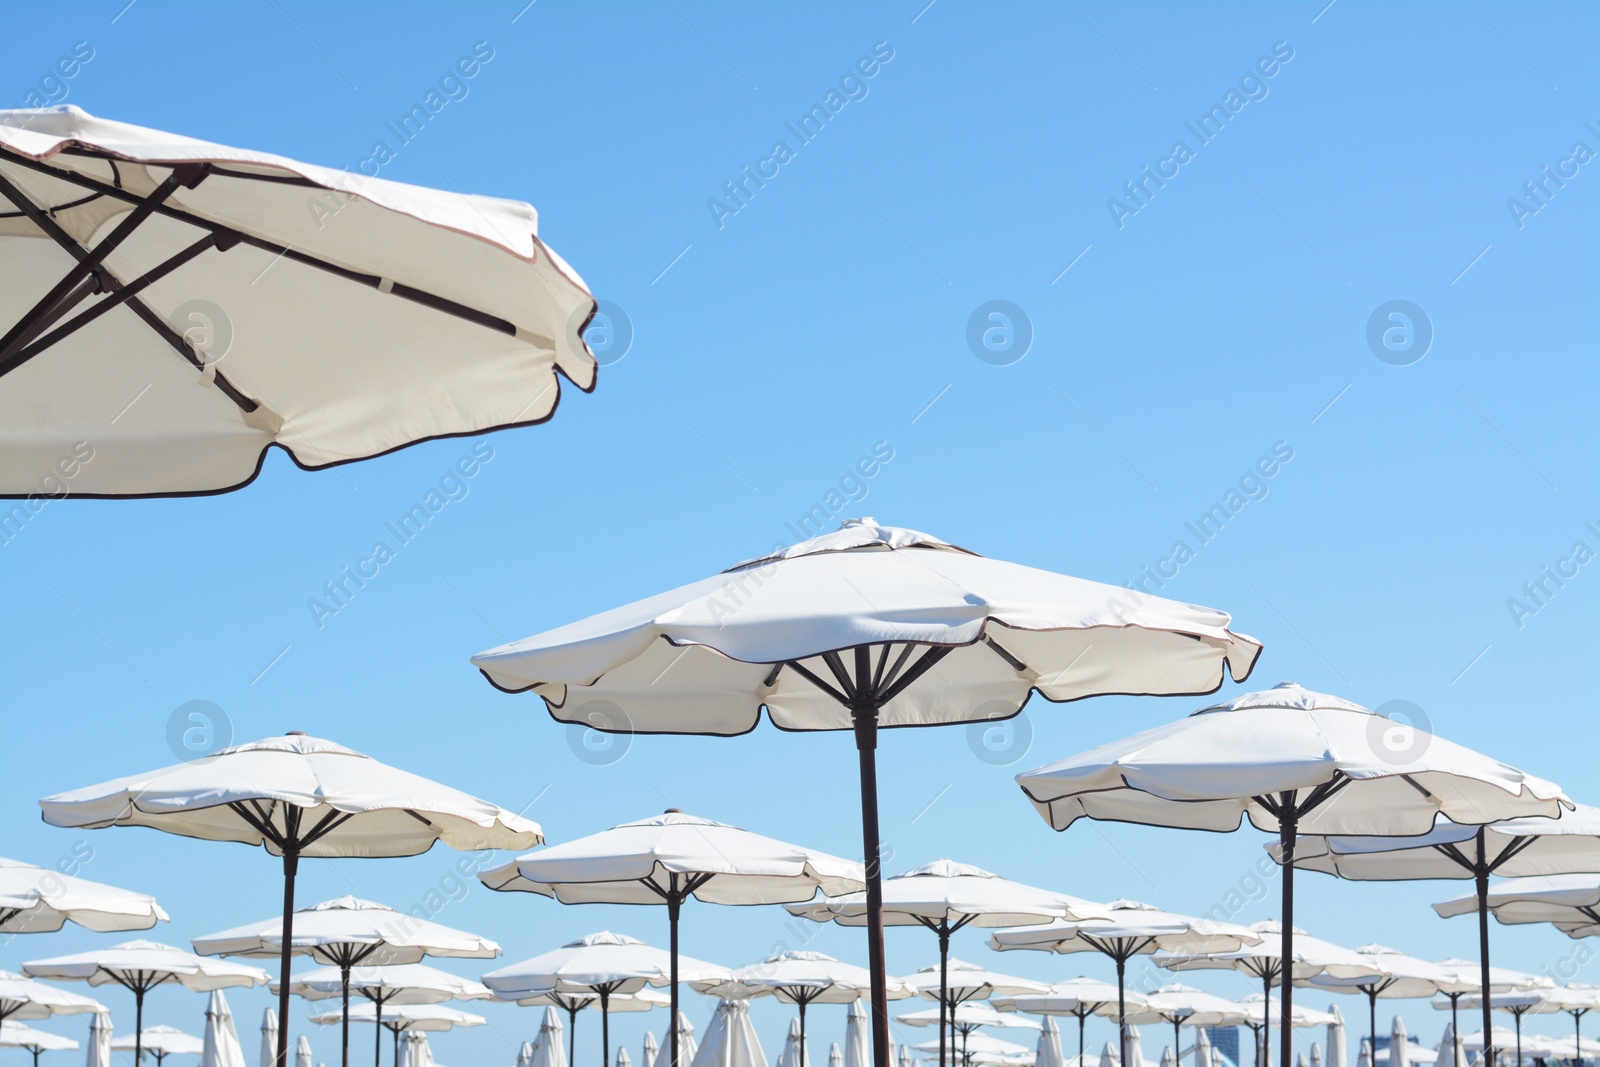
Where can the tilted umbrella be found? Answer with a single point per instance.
(1292, 761)
(1397, 977)
(603, 964)
(1571, 902)
(385, 984)
(346, 932)
(668, 858)
(1264, 960)
(20, 1035)
(801, 979)
(221, 1044)
(573, 1002)
(140, 966)
(1530, 846)
(296, 796)
(38, 900)
(1080, 998)
(1179, 1005)
(946, 896)
(1131, 929)
(24, 1000)
(163, 1041)
(368, 315)
(403, 1019)
(842, 631)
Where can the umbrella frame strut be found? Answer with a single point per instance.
(944, 928)
(1121, 950)
(377, 996)
(864, 693)
(803, 995)
(674, 894)
(345, 955)
(140, 983)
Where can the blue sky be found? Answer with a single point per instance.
(983, 160)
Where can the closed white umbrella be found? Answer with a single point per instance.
(163, 1041)
(1521, 847)
(1311, 956)
(905, 1056)
(1449, 1051)
(296, 796)
(269, 1038)
(1202, 1049)
(946, 896)
(840, 632)
(140, 966)
(1397, 977)
(1316, 1055)
(603, 964)
(1364, 1059)
(221, 1046)
(549, 1051)
(835, 1056)
(345, 932)
(1291, 760)
(23, 999)
(525, 1054)
(731, 1039)
(1336, 1038)
(1168, 1057)
(98, 1048)
(38, 900)
(623, 1059)
(302, 1052)
(1048, 1054)
(20, 1035)
(572, 1002)
(669, 858)
(1179, 1005)
(1397, 1043)
(685, 1034)
(652, 1049)
(369, 314)
(1079, 997)
(1130, 928)
(857, 1039)
(1135, 1045)
(794, 1052)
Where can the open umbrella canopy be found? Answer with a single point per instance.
(798, 977)
(1258, 1006)
(162, 1040)
(399, 984)
(38, 900)
(969, 1014)
(20, 1035)
(809, 633)
(405, 1017)
(1077, 997)
(643, 1000)
(145, 964)
(1397, 977)
(969, 981)
(614, 963)
(335, 315)
(22, 998)
(982, 1044)
(1569, 901)
(1178, 1004)
(346, 931)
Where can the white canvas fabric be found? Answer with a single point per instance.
(525, 1054)
(686, 1040)
(624, 1058)
(737, 866)
(1449, 1051)
(399, 984)
(1399, 1043)
(166, 1040)
(1569, 901)
(1078, 996)
(1135, 1053)
(20, 1035)
(1129, 921)
(1312, 956)
(795, 1053)
(97, 1050)
(220, 1047)
(24, 1000)
(1398, 977)
(731, 1039)
(131, 959)
(857, 1037)
(597, 959)
(551, 1050)
(643, 1000)
(316, 777)
(269, 1038)
(1205, 772)
(302, 1051)
(36, 900)
(1187, 1006)
(835, 1056)
(945, 890)
(349, 315)
(652, 1049)
(1337, 1055)
(968, 1013)
(970, 981)
(405, 1017)
(797, 975)
(1304, 1017)
(337, 929)
(980, 1044)
(1048, 1053)
(1011, 630)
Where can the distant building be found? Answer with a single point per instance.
(1225, 1039)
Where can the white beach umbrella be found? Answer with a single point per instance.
(269, 1038)
(1048, 1054)
(668, 858)
(652, 1049)
(1337, 1057)
(20, 1035)
(525, 1054)
(162, 1041)
(296, 796)
(384, 984)
(857, 1038)
(345, 932)
(946, 896)
(401, 1019)
(835, 1056)
(982, 1045)
(685, 1034)
(1130, 929)
(573, 1002)
(302, 1052)
(602, 964)
(1304, 1017)
(969, 1014)
(810, 633)
(1202, 1049)
(1364, 1058)
(369, 315)
(730, 1039)
(221, 1046)
(1522, 847)
(1398, 1043)
(1316, 1055)
(956, 983)
(1290, 760)
(1079, 997)
(623, 1058)
(795, 1053)
(1516, 1004)
(548, 1050)
(1179, 1005)
(1397, 977)
(98, 1048)
(800, 978)
(140, 966)
(1576, 1000)
(1569, 901)
(24, 1000)
(38, 900)
(1135, 1045)
(1449, 1051)
(1467, 977)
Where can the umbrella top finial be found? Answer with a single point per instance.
(856, 535)
(1286, 695)
(294, 733)
(673, 811)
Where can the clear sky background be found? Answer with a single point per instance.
(1225, 317)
